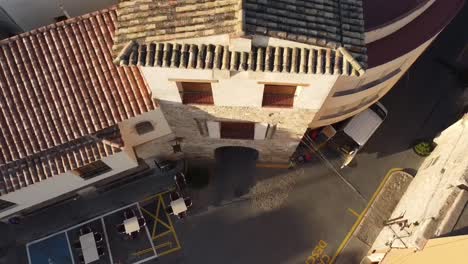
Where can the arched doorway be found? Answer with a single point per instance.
(234, 171)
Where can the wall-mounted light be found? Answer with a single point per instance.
(175, 143)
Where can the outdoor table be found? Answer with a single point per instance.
(178, 206)
(131, 225)
(89, 248)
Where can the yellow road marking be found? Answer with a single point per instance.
(162, 234)
(156, 195)
(272, 165)
(163, 245)
(169, 226)
(359, 220)
(170, 223)
(353, 212)
(169, 251)
(153, 233)
(156, 218)
(142, 252)
(146, 211)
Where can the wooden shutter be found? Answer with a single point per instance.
(238, 130)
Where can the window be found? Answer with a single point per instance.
(92, 170)
(4, 205)
(237, 130)
(202, 127)
(196, 93)
(278, 95)
(60, 18)
(144, 127)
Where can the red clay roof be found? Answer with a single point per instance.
(413, 35)
(58, 85)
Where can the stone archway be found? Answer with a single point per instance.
(234, 171)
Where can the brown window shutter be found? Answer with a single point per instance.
(238, 130)
(278, 95)
(197, 93)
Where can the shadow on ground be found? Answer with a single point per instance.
(426, 100)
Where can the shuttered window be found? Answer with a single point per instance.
(278, 95)
(238, 130)
(196, 93)
(92, 170)
(4, 205)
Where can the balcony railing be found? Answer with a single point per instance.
(205, 98)
(278, 100)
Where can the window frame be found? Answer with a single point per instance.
(205, 97)
(101, 168)
(6, 205)
(270, 96)
(226, 132)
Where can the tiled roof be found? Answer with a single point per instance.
(269, 59)
(68, 156)
(58, 85)
(325, 23)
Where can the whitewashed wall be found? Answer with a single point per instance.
(130, 135)
(31, 14)
(332, 104)
(62, 184)
(239, 89)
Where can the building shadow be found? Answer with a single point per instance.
(426, 100)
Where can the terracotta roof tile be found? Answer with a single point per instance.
(58, 85)
(325, 23)
(266, 59)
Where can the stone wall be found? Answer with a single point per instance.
(291, 125)
(430, 201)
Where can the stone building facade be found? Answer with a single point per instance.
(277, 131)
(338, 59)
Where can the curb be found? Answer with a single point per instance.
(361, 217)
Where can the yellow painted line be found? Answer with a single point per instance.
(163, 245)
(164, 224)
(168, 251)
(170, 223)
(162, 234)
(142, 252)
(353, 212)
(273, 165)
(158, 194)
(150, 214)
(153, 233)
(359, 220)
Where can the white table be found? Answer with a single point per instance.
(178, 206)
(89, 248)
(131, 225)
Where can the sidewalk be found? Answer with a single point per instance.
(72, 212)
(370, 222)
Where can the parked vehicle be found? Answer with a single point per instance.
(359, 129)
(349, 136)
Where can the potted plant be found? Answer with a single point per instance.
(424, 148)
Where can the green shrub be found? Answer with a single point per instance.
(197, 177)
(424, 148)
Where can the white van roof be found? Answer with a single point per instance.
(361, 127)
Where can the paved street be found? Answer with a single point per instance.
(290, 212)
(318, 204)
